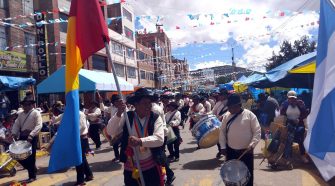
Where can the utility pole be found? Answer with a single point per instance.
(233, 64)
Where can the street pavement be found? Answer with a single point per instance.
(195, 168)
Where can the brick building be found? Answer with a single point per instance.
(161, 47)
(17, 58)
(181, 72)
(146, 66)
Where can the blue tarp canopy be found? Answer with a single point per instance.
(227, 86)
(280, 76)
(8, 83)
(89, 81)
(241, 79)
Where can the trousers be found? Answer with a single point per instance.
(30, 162)
(94, 132)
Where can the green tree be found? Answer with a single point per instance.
(289, 51)
(223, 80)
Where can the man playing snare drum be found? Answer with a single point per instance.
(26, 127)
(239, 132)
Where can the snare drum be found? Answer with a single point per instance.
(235, 173)
(20, 150)
(207, 131)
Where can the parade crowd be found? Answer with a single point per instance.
(155, 122)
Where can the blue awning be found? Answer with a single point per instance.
(89, 81)
(9, 83)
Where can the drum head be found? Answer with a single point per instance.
(210, 139)
(20, 147)
(235, 172)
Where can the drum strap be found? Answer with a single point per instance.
(26, 118)
(223, 110)
(170, 119)
(230, 122)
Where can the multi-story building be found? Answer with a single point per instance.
(161, 46)
(181, 72)
(17, 57)
(145, 66)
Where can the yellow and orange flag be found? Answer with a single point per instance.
(87, 33)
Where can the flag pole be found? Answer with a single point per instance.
(125, 112)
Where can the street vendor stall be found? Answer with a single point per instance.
(89, 81)
(9, 83)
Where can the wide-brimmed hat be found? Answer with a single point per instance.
(11, 113)
(28, 99)
(224, 92)
(140, 94)
(173, 104)
(115, 97)
(292, 94)
(59, 104)
(196, 97)
(233, 99)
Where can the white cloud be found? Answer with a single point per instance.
(209, 64)
(252, 35)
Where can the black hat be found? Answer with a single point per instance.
(224, 92)
(28, 99)
(173, 104)
(233, 99)
(139, 94)
(196, 97)
(156, 97)
(115, 97)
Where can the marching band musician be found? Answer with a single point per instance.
(94, 115)
(240, 132)
(173, 118)
(196, 108)
(219, 110)
(147, 135)
(26, 127)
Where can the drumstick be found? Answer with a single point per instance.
(243, 154)
(14, 141)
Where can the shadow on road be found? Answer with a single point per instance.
(103, 151)
(44, 170)
(69, 183)
(203, 164)
(188, 150)
(192, 142)
(105, 166)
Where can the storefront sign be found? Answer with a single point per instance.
(13, 61)
(41, 50)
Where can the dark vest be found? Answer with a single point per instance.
(158, 153)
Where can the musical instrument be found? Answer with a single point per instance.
(206, 131)
(235, 172)
(171, 136)
(20, 150)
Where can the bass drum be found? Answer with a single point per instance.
(207, 131)
(235, 173)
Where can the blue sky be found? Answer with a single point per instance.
(206, 40)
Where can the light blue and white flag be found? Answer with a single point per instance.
(320, 140)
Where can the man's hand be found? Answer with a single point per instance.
(13, 136)
(224, 152)
(134, 141)
(29, 139)
(121, 108)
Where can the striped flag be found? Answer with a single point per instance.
(87, 31)
(320, 140)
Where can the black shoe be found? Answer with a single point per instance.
(89, 178)
(169, 181)
(176, 159)
(116, 160)
(80, 184)
(170, 156)
(218, 155)
(29, 180)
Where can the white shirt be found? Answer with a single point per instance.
(175, 120)
(245, 131)
(199, 108)
(115, 125)
(83, 123)
(158, 110)
(181, 104)
(208, 107)
(33, 123)
(293, 113)
(94, 116)
(220, 105)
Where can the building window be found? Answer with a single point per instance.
(119, 70)
(142, 74)
(131, 72)
(3, 38)
(63, 50)
(99, 63)
(129, 33)
(29, 39)
(117, 48)
(150, 76)
(130, 53)
(2, 4)
(63, 26)
(28, 7)
(140, 55)
(127, 15)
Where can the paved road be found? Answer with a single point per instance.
(195, 168)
